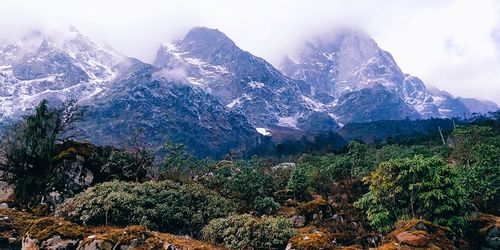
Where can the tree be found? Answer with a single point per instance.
(361, 159)
(471, 145)
(300, 180)
(29, 151)
(415, 188)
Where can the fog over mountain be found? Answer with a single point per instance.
(452, 44)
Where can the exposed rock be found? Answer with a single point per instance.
(13, 224)
(6, 191)
(484, 231)
(316, 209)
(298, 221)
(412, 239)
(51, 233)
(420, 234)
(138, 237)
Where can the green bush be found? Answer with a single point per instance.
(415, 188)
(300, 179)
(248, 232)
(164, 206)
(482, 185)
(121, 165)
(265, 205)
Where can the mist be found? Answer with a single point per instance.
(451, 44)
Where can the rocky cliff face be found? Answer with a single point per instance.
(119, 95)
(347, 68)
(242, 82)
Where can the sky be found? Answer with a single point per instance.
(450, 44)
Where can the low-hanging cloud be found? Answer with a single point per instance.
(451, 44)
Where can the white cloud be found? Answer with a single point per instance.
(451, 44)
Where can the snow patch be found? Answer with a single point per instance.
(263, 131)
(288, 121)
(255, 85)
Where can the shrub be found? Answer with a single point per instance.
(265, 205)
(121, 165)
(481, 183)
(29, 152)
(248, 232)
(164, 206)
(415, 188)
(300, 179)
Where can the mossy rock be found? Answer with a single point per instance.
(310, 238)
(13, 225)
(437, 237)
(316, 209)
(139, 237)
(483, 230)
(45, 228)
(73, 148)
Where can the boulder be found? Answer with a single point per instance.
(298, 221)
(412, 239)
(316, 209)
(52, 233)
(13, 224)
(483, 231)
(420, 234)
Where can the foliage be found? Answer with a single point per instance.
(482, 185)
(178, 165)
(361, 159)
(300, 179)
(30, 149)
(477, 151)
(248, 232)
(415, 187)
(121, 165)
(476, 145)
(164, 206)
(246, 181)
(265, 205)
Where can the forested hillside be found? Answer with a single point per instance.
(430, 188)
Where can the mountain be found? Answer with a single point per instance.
(59, 67)
(118, 94)
(207, 93)
(244, 83)
(165, 110)
(347, 72)
(479, 106)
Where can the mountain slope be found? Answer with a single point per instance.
(59, 67)
(242, 82)
(165, 110)
(347, 63)
(118, 94)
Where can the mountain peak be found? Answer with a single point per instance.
(206, 42)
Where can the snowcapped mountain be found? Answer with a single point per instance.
(479, 106)
(210, 61)
(56, 67)
(119, 94)
(358, 81)
(165, 109)
(206, 92)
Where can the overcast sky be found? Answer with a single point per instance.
(451, 44)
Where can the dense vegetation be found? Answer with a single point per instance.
(257, 202)
(164, 206)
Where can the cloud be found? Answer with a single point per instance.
(175, 74)
(451, 44)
